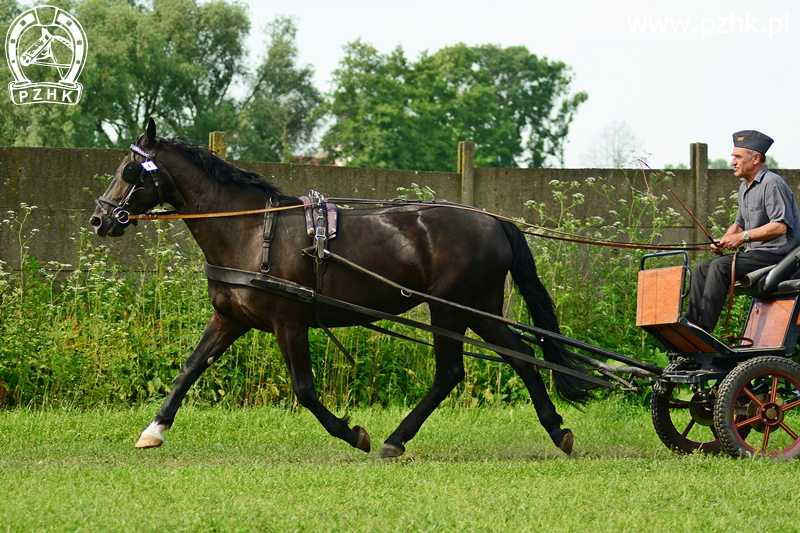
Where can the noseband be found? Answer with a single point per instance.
(132, 174)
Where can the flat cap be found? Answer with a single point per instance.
(753, 140)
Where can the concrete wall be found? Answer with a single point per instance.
(61, 183)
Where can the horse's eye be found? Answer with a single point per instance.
(131, 172)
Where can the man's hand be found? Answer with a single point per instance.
(728, 242)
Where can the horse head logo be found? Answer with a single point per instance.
(47, 45)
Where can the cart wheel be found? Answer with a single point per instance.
(761, 395)
(683, 420)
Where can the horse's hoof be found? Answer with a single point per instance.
(153, 436)
(146, 441)
(392, 450)
(363, 442)
(566, 442)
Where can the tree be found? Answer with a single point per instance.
(388, 112)
(177, 61)
(279, 116)
(39, 125)
(614, 148)
(174, 60)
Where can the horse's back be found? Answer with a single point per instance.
(435, 249)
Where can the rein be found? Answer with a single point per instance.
(551, 233)
(149, 166)
(172, 215)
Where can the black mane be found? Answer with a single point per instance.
(223, 171)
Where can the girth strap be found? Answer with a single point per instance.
(321, 222)
(269, 233)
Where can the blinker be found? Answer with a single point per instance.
(131, 172)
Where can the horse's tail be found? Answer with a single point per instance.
(542, 309)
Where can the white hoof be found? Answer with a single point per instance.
(153, 436)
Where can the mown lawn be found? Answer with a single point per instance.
(482, 469)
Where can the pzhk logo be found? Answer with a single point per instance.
(48, 45)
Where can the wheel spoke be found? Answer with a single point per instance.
(752, 396)
(689, 427)
(747, 422)
(790, 406)
(774, 393)
(765, 442)
(679, 404)
(788, 430)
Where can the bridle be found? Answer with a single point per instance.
(132, 174)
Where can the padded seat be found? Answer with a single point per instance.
(781, 278)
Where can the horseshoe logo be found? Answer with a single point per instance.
(46, 52)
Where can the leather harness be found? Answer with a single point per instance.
(321, 224)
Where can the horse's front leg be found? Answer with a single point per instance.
(293, 342)
(218, 336)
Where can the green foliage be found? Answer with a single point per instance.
(177, 61)
(178, 65)
(91, 334)
(593, 287)
(279, 116)
(390, 112)
(183, 62)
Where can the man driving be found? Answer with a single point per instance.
(767, 225)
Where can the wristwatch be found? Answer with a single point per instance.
(746, 236)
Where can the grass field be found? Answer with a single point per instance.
(482, 469)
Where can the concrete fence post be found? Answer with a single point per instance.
(217, 143)
(698, 157)
(466, 167)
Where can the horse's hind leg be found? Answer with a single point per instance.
(499, 334)
(449, 373)
(293, 342)
(217, 337)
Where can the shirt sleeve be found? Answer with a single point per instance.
(776, 201)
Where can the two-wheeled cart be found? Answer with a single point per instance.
(743, 399)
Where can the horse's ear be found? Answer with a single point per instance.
(150, 132)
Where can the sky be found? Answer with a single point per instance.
(674, 72)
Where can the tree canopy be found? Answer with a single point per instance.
(184, 63)
(280, 113)
(390, 112)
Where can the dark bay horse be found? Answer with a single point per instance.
(458, 255)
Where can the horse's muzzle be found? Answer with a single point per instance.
(105, 226)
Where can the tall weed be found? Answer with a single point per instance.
(594, 287)
(94, 334)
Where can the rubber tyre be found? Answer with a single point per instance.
(669, 411)
(749, 399)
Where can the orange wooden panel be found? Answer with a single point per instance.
(681, 339)
(659, 296)
(768, 321)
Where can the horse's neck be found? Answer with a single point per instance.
(232, 241)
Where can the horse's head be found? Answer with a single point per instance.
(140, 183)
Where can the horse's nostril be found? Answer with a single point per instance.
(95, 221)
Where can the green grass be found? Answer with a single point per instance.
(269, 469)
